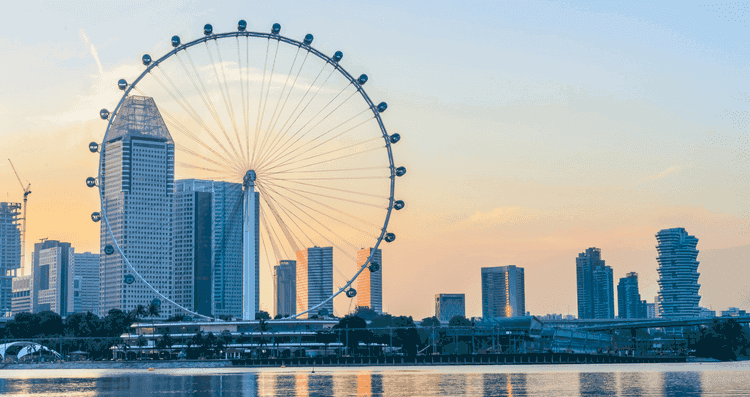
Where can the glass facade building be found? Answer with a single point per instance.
(503, 292)
(629, 303)
(314, 279)
(137, 184)
(449, 305)
(208, 246)
(595, 286)
(52, 279)
(370, 284)
(10, 253)
(678, 273)
(285, 288)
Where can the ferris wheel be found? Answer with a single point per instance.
(290, 139)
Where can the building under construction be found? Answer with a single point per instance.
(10, 252)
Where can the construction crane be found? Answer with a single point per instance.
(26, 193)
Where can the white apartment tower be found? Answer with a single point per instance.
(85, 296)
(678, 274)
(137, 184)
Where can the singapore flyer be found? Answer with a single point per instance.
(239, 151)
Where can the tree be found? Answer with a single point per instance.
(176, 318)
(278, 316)
(326, 338)
(430, 322)
(84, 325)
(725, 340)
(116, 323)
(166, 342)
(365, 313)
(138, 312)
(352, 331)
(153, 311)
(24, 325)
(50, 323)
(262, 315)
(225, 317)
(459, 321)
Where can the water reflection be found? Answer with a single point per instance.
(435, 381)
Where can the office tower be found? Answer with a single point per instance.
(10, 253)
(595, 286)
(503, 292)
(208, 247)
(314, 279)
(449, 305)
(629, 303)
(85, 283)
(137, 184)
(21, 295)
(678, 273)
(285, 288)
(370, 284)
(52, 279)
(650, 310)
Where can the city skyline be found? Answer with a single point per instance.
(609, 114)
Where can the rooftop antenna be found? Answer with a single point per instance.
(26, 193)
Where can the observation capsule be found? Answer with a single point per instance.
(308, 39)
(241, 25)
(389, 237)
(362, 79)
(93, 147)
(208, 29)
(129, 279)
(109, 250)
(374, 267)
(337, 56)
(90, 182)
(96, 217)
(276, 28)
(382, 106)
(395, 138)
(122, 84)
(398, 205)
(351, 292)
(104, 114)
(175, 41)
(400, 171)
(146, 59)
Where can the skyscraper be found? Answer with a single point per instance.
(449, 305)
(285, 288)
(629, 303)
(595, 286)
(678, 274)
(503, 292)
(370, 284)
(22, 288)
(10, 253)
(208, 246)
(52, 278)
(86, 276)
(314, 279)
(137, 184)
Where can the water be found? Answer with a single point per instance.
(683, 380)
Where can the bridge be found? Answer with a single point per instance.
(636, 323)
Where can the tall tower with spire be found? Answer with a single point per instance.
(137, 187)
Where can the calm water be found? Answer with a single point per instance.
(684, 380)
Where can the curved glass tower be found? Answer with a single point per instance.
(678, 273)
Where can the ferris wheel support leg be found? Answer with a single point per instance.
(249, 250)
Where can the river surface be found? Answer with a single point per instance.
(683, 380)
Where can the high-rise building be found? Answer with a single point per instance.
(10, 253)
(314, 279)
(52, 277)
(208, 247)
(85, 283)
(678, 273)
(22, 286)
(629, 303)
(650, 310)
(595, 286)
(137, 184)
(449, 305)
(503, 292)
(705, 312)
(285, 288)
(370, 284)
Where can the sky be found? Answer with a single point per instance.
(532, 130)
